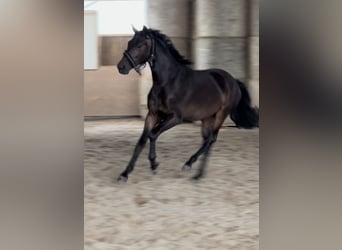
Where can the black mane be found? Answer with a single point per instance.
(168, 43)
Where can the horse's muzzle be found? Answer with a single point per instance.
(123, 69)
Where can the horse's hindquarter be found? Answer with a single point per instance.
(203, 97)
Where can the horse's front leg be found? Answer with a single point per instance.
(152, 155)
(156, 131)
(150, 122)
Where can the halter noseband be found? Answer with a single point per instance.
(138, 67)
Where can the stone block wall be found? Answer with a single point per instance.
(221, 52)
(219, 37)
(173, 18)
(253, 51)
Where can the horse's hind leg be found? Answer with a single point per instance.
(203, 163)
(217, 123)
(208, 139)
(150, 122)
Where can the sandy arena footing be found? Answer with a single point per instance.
(168, 210)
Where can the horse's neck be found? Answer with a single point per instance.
(164, 67)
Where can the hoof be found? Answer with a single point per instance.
(197, 177)
(186, 168)
(154, 168)
(122, 179)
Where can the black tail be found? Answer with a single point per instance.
(244, 115)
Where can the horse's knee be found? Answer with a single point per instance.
(152, 136)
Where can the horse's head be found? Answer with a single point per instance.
(139, 51)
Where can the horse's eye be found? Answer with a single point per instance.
(140, 46)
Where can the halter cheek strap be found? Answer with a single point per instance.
(150, 60)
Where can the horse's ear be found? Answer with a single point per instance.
(134, 29)
(146, 31)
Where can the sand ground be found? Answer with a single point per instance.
(168, 210)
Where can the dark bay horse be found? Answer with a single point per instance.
(181, 94)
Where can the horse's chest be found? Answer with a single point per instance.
(159, 100)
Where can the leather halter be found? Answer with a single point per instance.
(138, 67)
